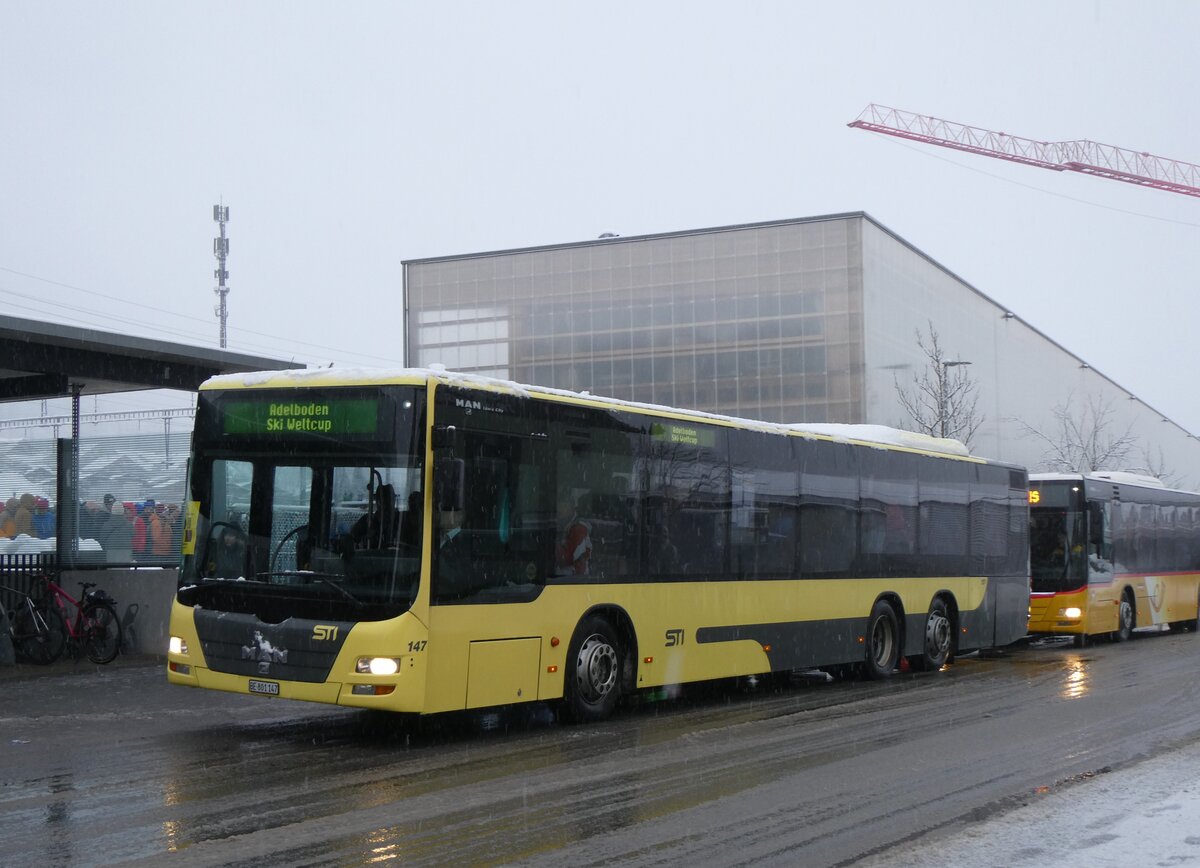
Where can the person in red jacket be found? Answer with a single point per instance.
(574, 547)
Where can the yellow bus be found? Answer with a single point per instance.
(1111, 553)
(423, 541)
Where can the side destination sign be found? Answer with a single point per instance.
(686, 435)
(327, 417)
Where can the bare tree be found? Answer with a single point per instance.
(1154, 464)
(942, 399)
(1084, 439)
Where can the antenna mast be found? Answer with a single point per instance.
(221, 251)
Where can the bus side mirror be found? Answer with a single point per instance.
(445, 438)
(448, 484)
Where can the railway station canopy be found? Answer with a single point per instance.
(41, 360)
(48, 360)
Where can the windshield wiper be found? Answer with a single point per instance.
(204, 580)
(338, 585)
(324, 578)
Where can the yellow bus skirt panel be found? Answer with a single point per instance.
(683, 631)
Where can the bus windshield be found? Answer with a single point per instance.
(294, 522)
(1057, 539)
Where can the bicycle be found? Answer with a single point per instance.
(95, 628)
(39, 636)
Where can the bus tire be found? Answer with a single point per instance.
(594, 678)
(938, 641)
(1080, 640)
(882, 641)
(1125, 618)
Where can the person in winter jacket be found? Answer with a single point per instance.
(574, 548)
(139, 532)
(24, 516)
(160, 532)
(116, 536)
(8, 518)
(43, 519)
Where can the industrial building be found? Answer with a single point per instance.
(813, 320)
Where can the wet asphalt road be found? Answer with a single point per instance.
(110, 765)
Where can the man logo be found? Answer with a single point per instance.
(325, 633)
(263, 651)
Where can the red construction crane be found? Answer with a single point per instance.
(1081, 155)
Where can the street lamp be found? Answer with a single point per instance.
(942, 394)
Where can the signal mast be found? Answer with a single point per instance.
(221, 251)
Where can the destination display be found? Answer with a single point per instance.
(325, 417)
(686, 435)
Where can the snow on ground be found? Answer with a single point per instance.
(1144, 814)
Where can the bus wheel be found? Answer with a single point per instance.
(1080, 640)
(883, 641)
(939, 635)
(593, 683)
(1124, 619)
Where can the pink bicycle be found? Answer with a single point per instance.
(94, 627)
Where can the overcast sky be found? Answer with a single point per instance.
(346, 138)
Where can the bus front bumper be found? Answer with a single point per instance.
(1058, 613)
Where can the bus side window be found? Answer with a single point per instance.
(1099, 530)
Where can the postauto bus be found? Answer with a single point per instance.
(1110, 553)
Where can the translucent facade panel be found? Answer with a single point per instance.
(798, 321)
(1021, 375)
(714, 321)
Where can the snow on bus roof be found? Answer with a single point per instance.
(878, 435)
(1126, 477)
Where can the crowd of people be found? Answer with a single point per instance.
(143, 529)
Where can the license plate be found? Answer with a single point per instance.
(271, 688)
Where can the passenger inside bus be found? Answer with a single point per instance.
(453, 557)
(574, 548)
(1062, 549)
(228, 558)
(378, 527)
(410, 520)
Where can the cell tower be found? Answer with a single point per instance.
(221, 251)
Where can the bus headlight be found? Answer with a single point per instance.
(178, 646)
(1072, 612)
(377, 666)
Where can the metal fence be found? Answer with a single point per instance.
(20, 574)
(120, 477)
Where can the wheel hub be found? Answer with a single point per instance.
(937, 635)
(596, 668)
(882, 640)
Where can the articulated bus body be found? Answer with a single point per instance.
(1111, 553)
(418, 541)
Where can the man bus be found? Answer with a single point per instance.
(716, 547)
